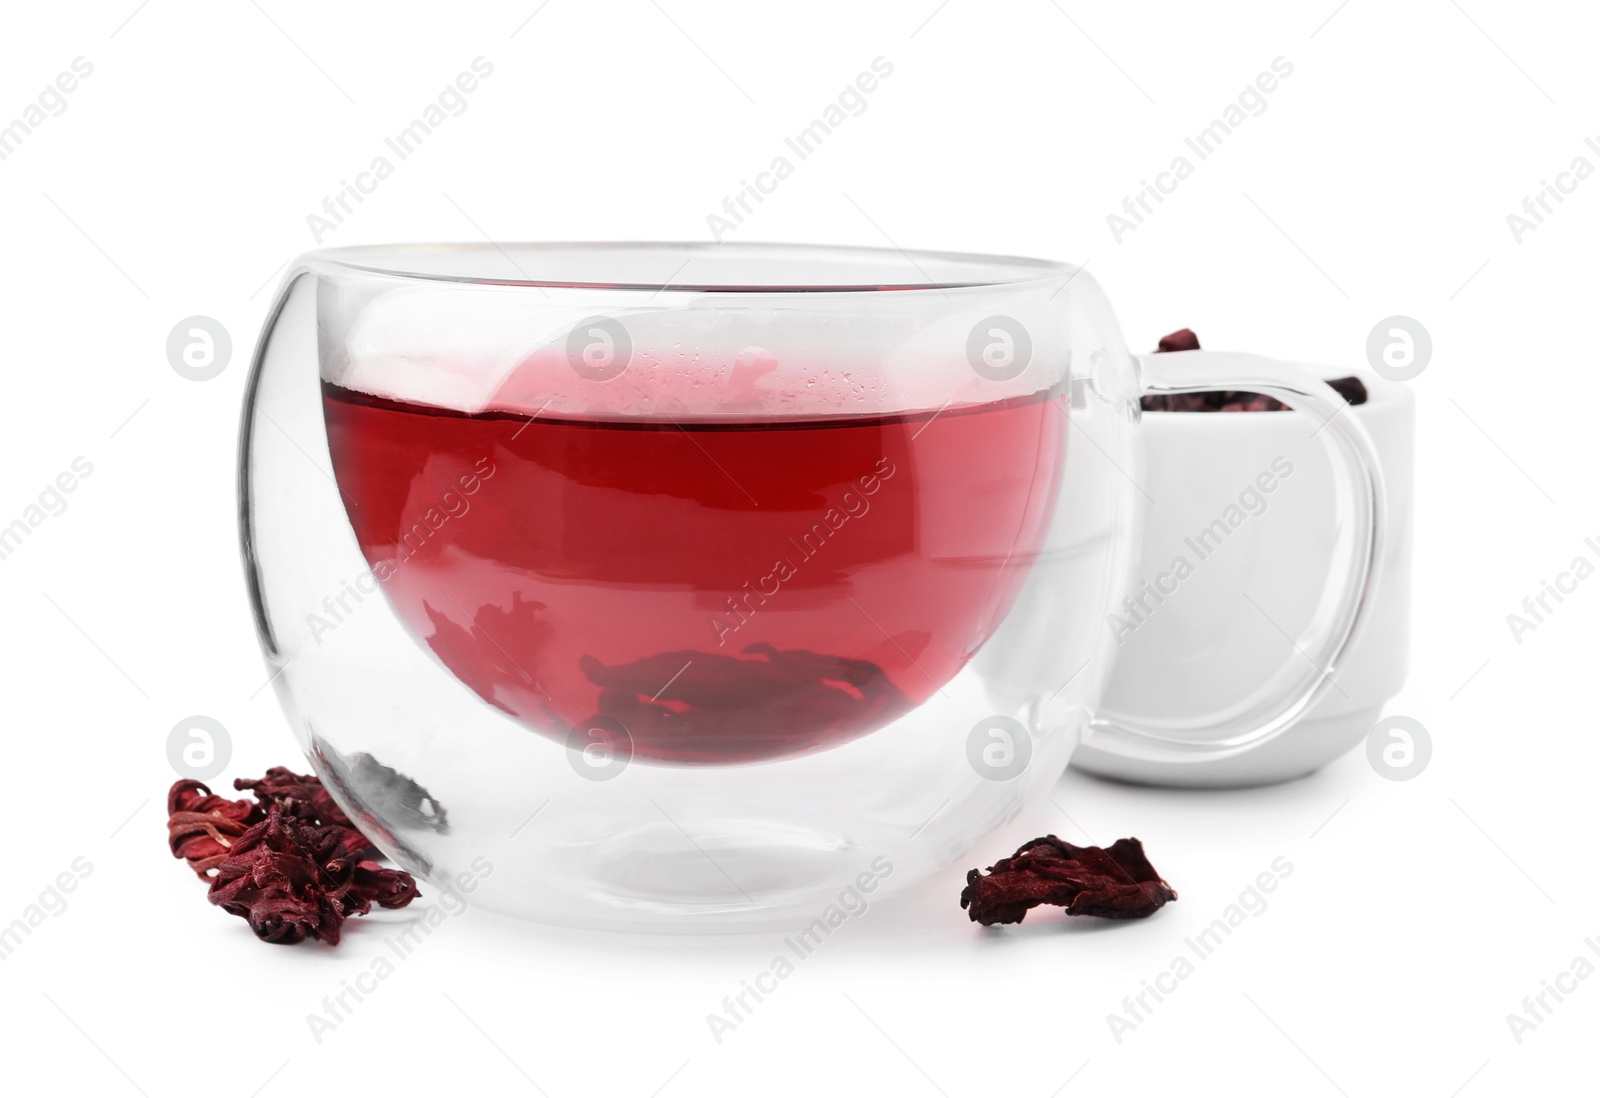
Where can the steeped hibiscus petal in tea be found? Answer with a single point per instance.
(727, 589)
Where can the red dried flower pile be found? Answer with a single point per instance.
(1184, 339)
(1114, 882)
(291, 863)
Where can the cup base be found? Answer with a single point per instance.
(732, 876)
(726, 867)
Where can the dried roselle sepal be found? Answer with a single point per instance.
(1175, 402)
(299, 795)
(1224, 400)
(290, 864)
(354, 844)
(1114, 882)
(275, 880)
(188, 795)
(390, 888)
(1252, 402)
(202, 827)
(1353, 389)
(304, 797)
(293, 880)
(1183, 339)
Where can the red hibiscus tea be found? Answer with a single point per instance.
(724, 590)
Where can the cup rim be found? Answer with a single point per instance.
(786, 268)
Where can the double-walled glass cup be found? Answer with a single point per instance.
(705, 587)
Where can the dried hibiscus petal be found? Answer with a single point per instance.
(1352, 389)
(1114, 882)
(292, 880)
(276, 879)
(299, 795)
(390, 888)
(203, 827)
(290, 864)
(1184, 339)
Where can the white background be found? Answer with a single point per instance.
(1418, 915)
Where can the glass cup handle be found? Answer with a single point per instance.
(1315, 657)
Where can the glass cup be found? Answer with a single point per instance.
(711, 586)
